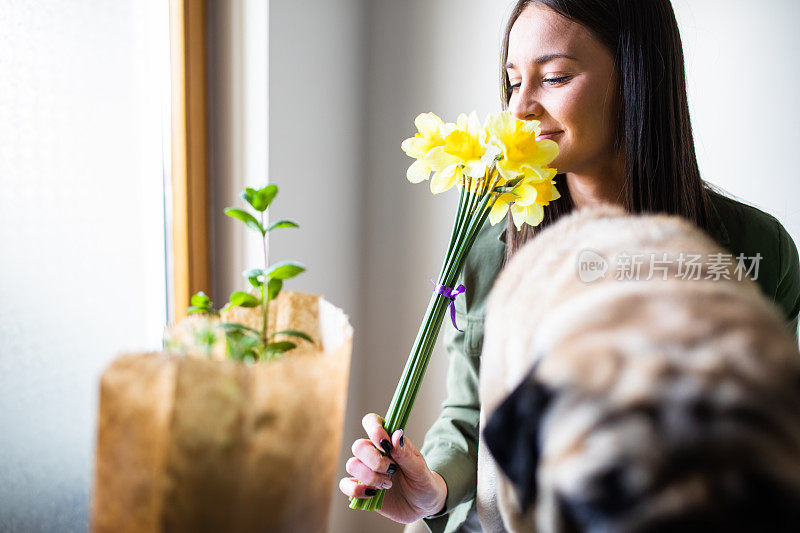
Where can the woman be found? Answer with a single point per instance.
(606, 80)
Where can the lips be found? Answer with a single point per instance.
(548, 134)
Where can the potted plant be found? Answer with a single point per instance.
(236, 424)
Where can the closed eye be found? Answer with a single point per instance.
(550, 81)
(556, 81)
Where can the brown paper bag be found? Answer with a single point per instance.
(196, 444)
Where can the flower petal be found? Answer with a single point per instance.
(428, 124)
(508, 173)
(546, 192)
(446, 129)
(518, 214)
(438, 159)
(554, 194)
(498, 212)
(535, 215)
(418, 171)
(492, 151)
(444, 180)
(462, 121)
(475, 169)
(416, 147)
(547, 150)
(526, 195)
(473, 124)
(531, 127)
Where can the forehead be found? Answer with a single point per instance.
(539, 31)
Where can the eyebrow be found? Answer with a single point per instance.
(545, 58)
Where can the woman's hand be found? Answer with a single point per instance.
(415, 491)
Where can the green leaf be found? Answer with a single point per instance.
(513, 183)
(239, 344)
(253, 275)
(226, 307)
(280, 347)
(260, 199)
(285, 270)
(195, 309)
(245, 217)
(282, 224)
(267, 194)
(200, 300)
(250, 196)
(294, 333)
(244, 299)
(274, 286)
(206, 338)
(233, 326)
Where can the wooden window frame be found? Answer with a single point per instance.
(190, 264)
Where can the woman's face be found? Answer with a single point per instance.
(563, 77)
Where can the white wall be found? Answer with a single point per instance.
(743, 81)
(82, 273)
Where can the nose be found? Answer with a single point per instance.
(525, 105)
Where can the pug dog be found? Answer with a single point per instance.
(614, 402)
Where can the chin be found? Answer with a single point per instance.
(561, 165)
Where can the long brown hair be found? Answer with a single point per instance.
(653, 126)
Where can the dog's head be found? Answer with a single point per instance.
(698, 454)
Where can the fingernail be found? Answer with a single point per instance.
(370, 492)
(386, 445)
(402, 439)
(392, 468)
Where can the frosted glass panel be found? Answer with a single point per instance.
(83, 89)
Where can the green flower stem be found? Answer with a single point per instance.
(473, 209)
(264, 291)
(457, 222)
(431, 335)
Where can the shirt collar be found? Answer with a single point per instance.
(719, 230)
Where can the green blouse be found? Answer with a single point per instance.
(451, 444)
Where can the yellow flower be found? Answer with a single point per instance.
(432, 132)
(526, 202)
(523, 155)
(466, 152)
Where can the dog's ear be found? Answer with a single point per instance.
(512, 435)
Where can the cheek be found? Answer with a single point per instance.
(569, 114)
(587, 118)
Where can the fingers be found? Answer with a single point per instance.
(366, 452)
(408, 457)
(371, 468)
(351, 487)
(373, 425)
(366, 475)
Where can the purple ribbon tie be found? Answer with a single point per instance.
(451, 294)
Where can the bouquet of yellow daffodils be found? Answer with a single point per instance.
(497, 167)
